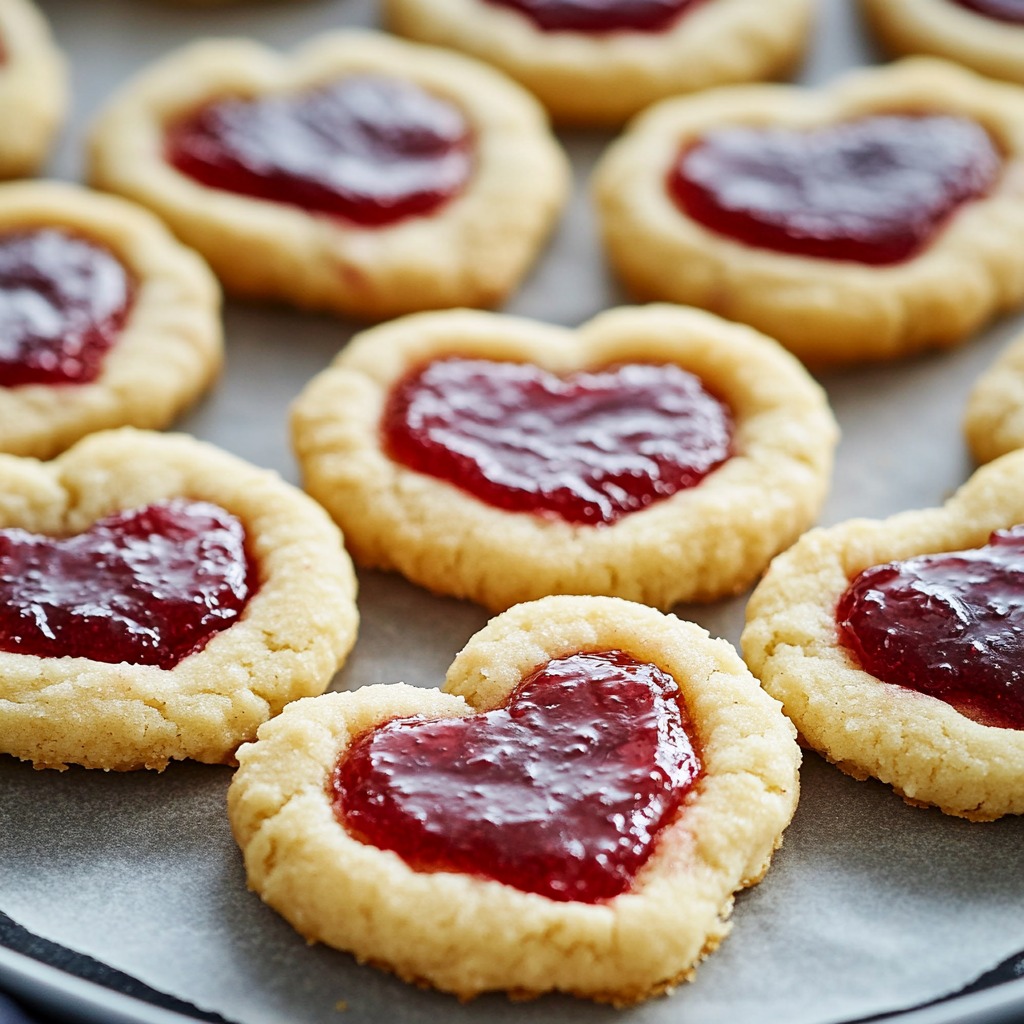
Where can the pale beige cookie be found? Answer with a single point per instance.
(438, 926)
(168, 350)
(33, 88)
(825, 311)
(920, 745)
(945, 29)
(700, 544)
(291, 636)
(603, 78)
(994, 417)
(472, 250)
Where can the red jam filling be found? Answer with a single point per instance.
(148, 586)
(1001, 10)
(601, 15)
(948, 625)
(588, 448)
(562, 792)
(875, 190)
(367, 148)
(63, 303)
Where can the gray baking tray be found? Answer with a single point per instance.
(871, 906)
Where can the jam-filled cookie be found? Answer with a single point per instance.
(986, 35)
(159, 599)
(879, 217)
(33, 89)
(994, 418)
(657, 454)
(601, 61)
(596, 776)
(361, 174)
(897, 647)
(107, 319)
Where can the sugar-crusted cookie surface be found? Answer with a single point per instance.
(926, 750)
(33, 88)
(827, 311)
(471, 250)
(603, 78)
(945, 29)
(292, 635)
(701, 543)
(994, 417)
(165, 354)
(439, 926)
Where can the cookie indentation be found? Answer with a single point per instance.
(63, 302)
(873, 190)
(369, 148)
(948, 625)
(600, 15)
(1011, 11)
(561, 792)
(589, 447)
(148, 586)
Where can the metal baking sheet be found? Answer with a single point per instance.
(871, 906)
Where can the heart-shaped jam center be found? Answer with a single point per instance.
(148, 586)
(588, 448)
(63, 303)
(601, 15)
(948, 625)
(562, 792)
(367, 148)
(874, 190)
(1011, 11)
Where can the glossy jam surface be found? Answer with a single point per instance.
(1011, 11)
(587, 448)
(601, 15)
(367, 148)
(149, 586)
(948, 625)
(562, 792)
(875, 190)
(63, 303)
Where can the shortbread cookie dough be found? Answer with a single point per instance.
(153, 302)
(944, 28)
(33, 89)
(675, 542)
(927, 750)
(466, 164)
(994, 418)
(296, 624)
(438, 925)
(604, 77)
(825, 309)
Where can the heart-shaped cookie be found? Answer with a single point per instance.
(986, 35)
(160, 599)
(873, 219)
(656, 454)
(994, 417)
(894, 645)
(601, 61)
(33, 89)
(107, 320)
(598, 777)
(361, 174)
